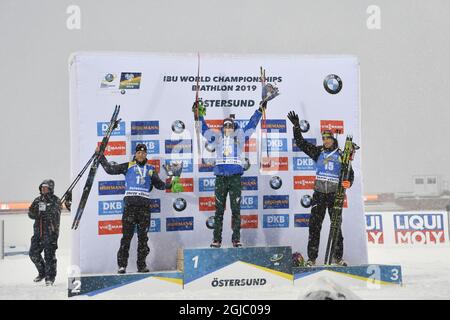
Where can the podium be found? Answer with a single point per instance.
(361, 276)
(130, 285)
(250, 267)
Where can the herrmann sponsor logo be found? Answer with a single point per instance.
(275, 144)
(295, 148)
(335, 126)
(180, 224)
(206, 184)
(374, 228)
(115, 148)
(144, 127)
(249, 202)
(207, 165)
(304, 164)
(275, 221)
(249, 221)
(249, 183)
(187, 164)
(111, 187)
(110, 207)
(419, 228)
(178, 146)
(275, 164)
(304, 182)
(301, 220)
(102, 127)
(108, 227)
(187, 183)
(276, 202)
(155, 205)
(276, 125)
(152, 146)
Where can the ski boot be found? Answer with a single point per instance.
(216, 244)
(49, 282)
(237, 244)
(311, 262)
(340, 262)
(143, 270)
(39, 278)
(122, 270)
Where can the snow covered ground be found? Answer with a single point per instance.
(426, 275)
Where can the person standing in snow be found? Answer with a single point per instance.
(328, 158)
(45, 210)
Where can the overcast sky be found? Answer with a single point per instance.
(405, 86)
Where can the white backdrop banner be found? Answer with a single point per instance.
(156, 92)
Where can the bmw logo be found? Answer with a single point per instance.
(304, 126)
(306, 201)
(246, 165)
(179, 204)
(109, 77)
(276, 182)
(210, 147)
(122, 91)
(210, 222)
(178, 126)
(332, 84)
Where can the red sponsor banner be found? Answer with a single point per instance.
(249, 221)
(214, 124)
(109, 227)
(275, 164)
(187, 183)
(115, 148)
(207, 203)
(375, 237)
(156, 163)
(250, 145)
(304, 182)
(335, 126)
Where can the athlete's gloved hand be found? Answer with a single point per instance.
(201, 108)
(346, 184)
(293, 117)
(176, 185)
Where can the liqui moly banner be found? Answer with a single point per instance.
(156, 93)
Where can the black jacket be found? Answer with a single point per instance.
(46, 211)
(314, 152)
(122, 168)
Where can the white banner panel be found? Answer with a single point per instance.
(156, 90)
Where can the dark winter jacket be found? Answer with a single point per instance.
(46, 211)
(314, 152)
(116, 169)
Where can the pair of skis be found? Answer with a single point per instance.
(336, 216)
(95, 160)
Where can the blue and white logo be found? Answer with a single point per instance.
(304, 164)
(188, 165)
(110, 207)
(155, 225)
(249, 203)
(276, 221)
(102, 127)
(206, 184)
(152, 146)
(275, 145)
(332, 83)
(301, 220)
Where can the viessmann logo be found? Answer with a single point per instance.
(419, 228)
(374, 228)
(144, 128)
(115, 148)
(109, 227)
(335, 126)
(275, 164)
(111, 187)
(304, 182)
(207, 203)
